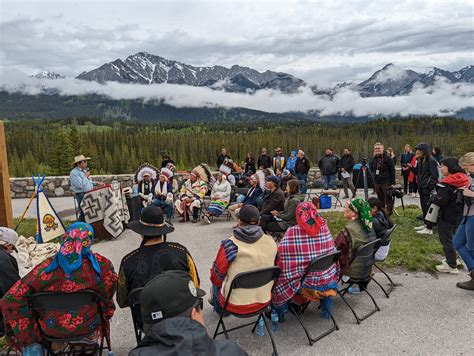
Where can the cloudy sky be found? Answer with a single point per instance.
(321, 42)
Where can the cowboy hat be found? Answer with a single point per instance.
(81, 158)
(151, 223)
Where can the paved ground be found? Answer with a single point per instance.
(425, 315)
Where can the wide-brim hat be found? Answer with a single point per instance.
(151, 223)
(278, 149)
(81, 158)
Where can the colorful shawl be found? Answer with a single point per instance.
(362, 208)
(75, 245)
(308, 218)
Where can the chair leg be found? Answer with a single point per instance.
(275, 351)
(392, 284)
(350, 307)
(381, 287)
(256, 323)
(375, 303)
(218, 325)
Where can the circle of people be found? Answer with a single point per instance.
(271, 230)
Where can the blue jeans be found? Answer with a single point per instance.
(303, 178)
(80, 213)
(327, 180)
(464, 241)
(166, 205)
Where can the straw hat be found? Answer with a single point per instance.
(81, 158)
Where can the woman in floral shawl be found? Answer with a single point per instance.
(73, 268)
(356, 233)
(302, 243)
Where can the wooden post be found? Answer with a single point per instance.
(6, 215)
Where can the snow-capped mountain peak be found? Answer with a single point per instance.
(47, 75)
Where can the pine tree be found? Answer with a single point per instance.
(61, 153)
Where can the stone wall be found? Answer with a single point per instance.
(61, 187)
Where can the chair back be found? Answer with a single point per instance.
(256, 278)
(364, 259)
(336, 183)
(367, 250)
(318, 184)
(322, 263)
(134, 300)
(390, 231)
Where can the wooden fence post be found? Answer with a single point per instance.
(6, 215)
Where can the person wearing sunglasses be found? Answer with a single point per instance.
(173, 321)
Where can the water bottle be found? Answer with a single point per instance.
(34, 349)
(275, 321)
(260, 327)
(111, 353)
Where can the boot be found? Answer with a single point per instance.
(195, 215)
(469, 285)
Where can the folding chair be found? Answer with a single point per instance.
(318, 264)
(250, 280)
(336, 193)
(364, 253)
(134, 301)
(317, 184)
(61, 302)
(392, 285)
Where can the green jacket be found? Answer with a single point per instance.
(289, 213)
(359, 236)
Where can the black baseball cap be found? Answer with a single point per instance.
(274, 179)
(249, 214)
(169, 294)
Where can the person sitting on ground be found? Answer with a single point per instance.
(220, 198)
(450, 212)
(248, 249)
(381, 225)
(171, 308)
(291, 162)
(280, 221)
(302, 243)
(249, 199)
(356, 233)
(192, 192)
(163, 192)
(264, 160)
(74, 268)
(154, 256)
(274, 200)
(464, 239)
(8, 265)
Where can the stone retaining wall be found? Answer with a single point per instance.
(61, 187)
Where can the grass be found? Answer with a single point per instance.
(408, 250)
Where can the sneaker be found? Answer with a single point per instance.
(207, 219)
(420, 227)
(445, 268)
(425, 231)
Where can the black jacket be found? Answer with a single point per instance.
(445, 198)
(347, 162)
(220, 159)
(428, 173)
(165, 162)
(183, 336)
(302, 165)
(381, 227)
(264, 161)
(250, 166)
(328, 165)
(273, 201)
(384, 166)
(8, 277)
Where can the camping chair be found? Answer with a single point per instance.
(317, 185)
(336, 193)
(392, 285)
(364, 253)
(250, 280)
(318, 264)
(62, 302)
(134, 301)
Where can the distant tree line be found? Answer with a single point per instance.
(48, 146)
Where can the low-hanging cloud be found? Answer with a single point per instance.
(442, 98)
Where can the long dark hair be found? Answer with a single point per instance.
(293, 186)
(452, 164)
(377, 203)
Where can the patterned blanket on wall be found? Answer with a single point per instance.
(107, 203)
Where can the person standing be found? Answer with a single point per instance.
(328, 165)
(250, 164)
(166, 159)
(301, 169)
(450, 211)
(80, 182)
(264, 161)
(346, 165)
(428, 176)
(291, 161)
(222, 157)
(278, 162)
(405, 161)
(392, 155)
(464, 238)
(437, 154)
(383, 170)
(8, 265)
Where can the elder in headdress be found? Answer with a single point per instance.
(145, 177)
(163, 192)
(193, 191)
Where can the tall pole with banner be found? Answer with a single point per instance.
(6, 215)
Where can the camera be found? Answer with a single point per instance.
(395, 192)
(364, 162)
(461, 199)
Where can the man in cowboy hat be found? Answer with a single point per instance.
(8, 265)
(80, 181)
(278, 162)
(154, 255)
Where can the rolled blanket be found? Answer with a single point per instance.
(30, 253)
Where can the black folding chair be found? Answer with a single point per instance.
(134, 301)
(249, 280)
(318, 264)
(318, 185)
(42, 302)
(364, 253)
(392, 285)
